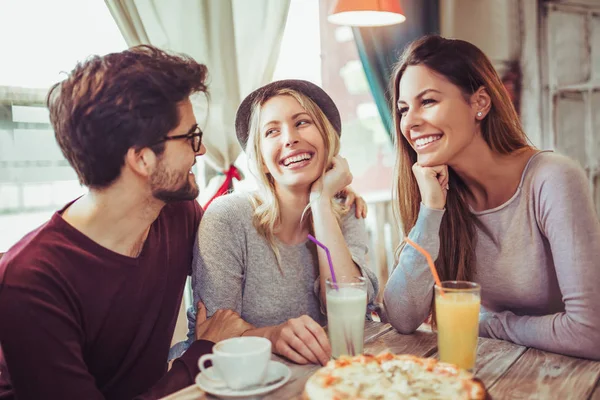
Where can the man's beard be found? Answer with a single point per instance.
(162, 184)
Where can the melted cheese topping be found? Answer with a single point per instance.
(389, 377)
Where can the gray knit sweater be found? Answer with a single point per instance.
(539, 266)
(235, 268)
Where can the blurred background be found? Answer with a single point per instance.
(547, 52)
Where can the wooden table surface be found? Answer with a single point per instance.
(509, 371)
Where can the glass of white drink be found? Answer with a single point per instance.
(346, 312)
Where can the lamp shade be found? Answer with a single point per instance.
(366, 12)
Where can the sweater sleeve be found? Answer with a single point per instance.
(42, 340)
(182, 373)
(356, 237)
(566, 217)
(355, 234)
(409, 292)
(219, 260)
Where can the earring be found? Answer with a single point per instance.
(479, 114)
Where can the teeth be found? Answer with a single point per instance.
(423, 141)
(296, 158)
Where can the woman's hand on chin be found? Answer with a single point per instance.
(335, 179)
(433, 185)
(301, 340)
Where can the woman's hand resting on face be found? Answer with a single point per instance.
(327, 186)
(333, 180)
(433, 185)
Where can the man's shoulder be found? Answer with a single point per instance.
(180, 213)
(36, 253)
(181, 208)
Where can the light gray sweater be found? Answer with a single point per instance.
(539, 272)
(235, 268)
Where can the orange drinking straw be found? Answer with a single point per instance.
(421, 250)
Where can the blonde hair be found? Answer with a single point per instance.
(266, 217)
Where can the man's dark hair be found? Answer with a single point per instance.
(121, 100)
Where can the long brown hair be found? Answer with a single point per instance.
(467, 67)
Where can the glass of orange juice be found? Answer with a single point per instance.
(457, 318)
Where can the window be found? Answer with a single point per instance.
(325, 54)
(571, 78)
(365, 142)
(299, 58)
(35, 179)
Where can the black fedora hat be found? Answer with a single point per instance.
(315, 93)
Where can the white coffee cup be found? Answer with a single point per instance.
(239, 362)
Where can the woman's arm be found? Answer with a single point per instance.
(328, 231)
(409, 292)
(326, 228)
(218, 265)
(567, 218)
(357, 239)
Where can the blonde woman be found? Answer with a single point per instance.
(489, 207)
(252, 254)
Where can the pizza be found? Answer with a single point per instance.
(390, 377)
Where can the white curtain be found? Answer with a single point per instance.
(238, 40)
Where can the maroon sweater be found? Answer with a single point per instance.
(78, 321)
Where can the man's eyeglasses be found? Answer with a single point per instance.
(194, 136)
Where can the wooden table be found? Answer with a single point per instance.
(509, 371)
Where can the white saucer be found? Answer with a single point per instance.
(275, 370)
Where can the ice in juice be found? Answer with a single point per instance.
(457, 316)
(346, 309)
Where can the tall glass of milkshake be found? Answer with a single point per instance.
(346, 312)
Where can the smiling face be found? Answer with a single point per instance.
(436, 119)
(172, 179)
(291, 146)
